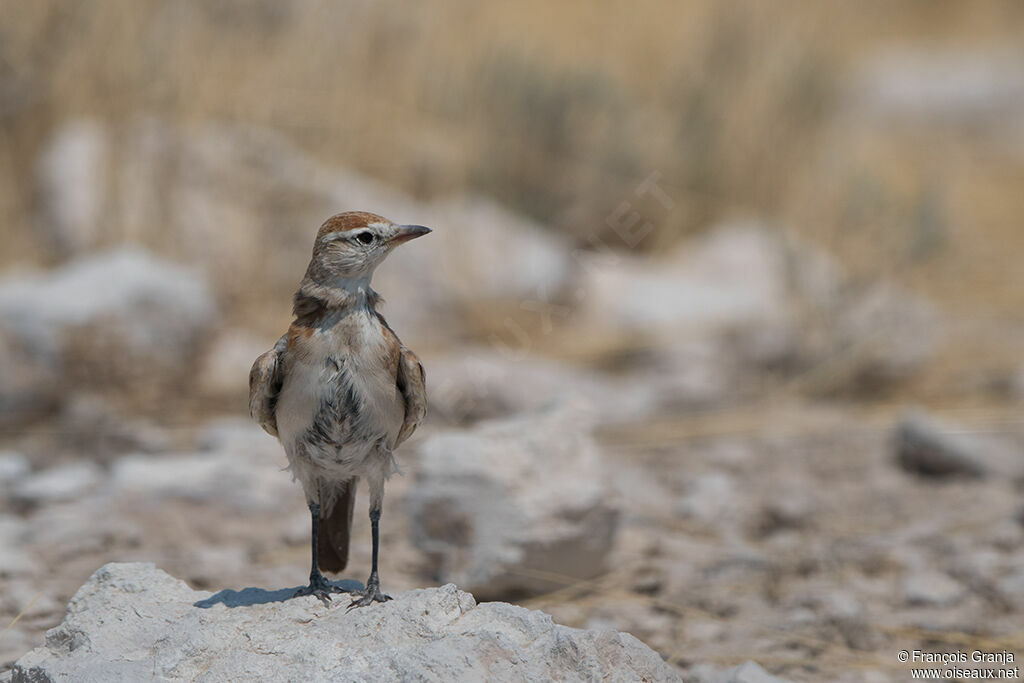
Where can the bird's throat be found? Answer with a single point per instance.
(314, 299)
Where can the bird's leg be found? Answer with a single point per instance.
(372, 593)
(318, 583)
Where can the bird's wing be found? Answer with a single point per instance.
(412, 384)
(265, 380)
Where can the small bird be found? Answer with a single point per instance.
(340, 391)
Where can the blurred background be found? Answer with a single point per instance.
(722, 309)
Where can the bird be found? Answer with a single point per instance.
(340, 391)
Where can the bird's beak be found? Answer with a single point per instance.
(408, 232)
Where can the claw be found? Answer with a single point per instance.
(320, 588)
(367, 597)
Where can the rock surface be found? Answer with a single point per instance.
(63, 482)
(932, 448)
(508, 505)
(134, 622)
(116, 315)
(731, 276)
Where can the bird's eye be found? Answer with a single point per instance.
(365, 237)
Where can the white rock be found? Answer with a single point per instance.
(16, 558)
(210, 565)
(13, 466)
(90, 525)
(960, 85)
(930, 447)
(201, 477)
(134, 622)
(63, 482)
(709, 497)
(117, 306)
(481, 383)
(240, 436)
(931, 588)
(761, 300)
(226, 363)
(509, 505)
(733, 275)
(1013, 583)
(251, 462)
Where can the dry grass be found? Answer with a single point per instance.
(558, 110)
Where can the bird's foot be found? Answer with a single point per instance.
(320, 587)
(367, 597)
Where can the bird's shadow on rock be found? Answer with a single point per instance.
(261, 596)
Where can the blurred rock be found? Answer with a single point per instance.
(121, 315)
(239, 436)
(762, 301)
(731, 275)
(477, 383)
(71, 529)
(478, 254)
(955, 85)
(16, 558)
(29, 389)
(72, 176)
(226, 363)
(212, 565)
(931, 588)
(60, 483)
(709, 497)
(24, 596)
(89, 426)
(480, 383)
(134, 622)
(748, 672)
(13, 466)
(841, 336)
(786, 512)
(1013, 583)
(876, 336)
(258, 481)
(929, 447)
(508, 505)
(693, 372)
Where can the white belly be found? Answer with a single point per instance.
(340, 367)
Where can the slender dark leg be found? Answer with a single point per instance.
(372, 592)
(318, 584)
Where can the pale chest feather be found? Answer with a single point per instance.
(339, 398)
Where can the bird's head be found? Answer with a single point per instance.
(349, 246)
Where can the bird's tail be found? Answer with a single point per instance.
(335, 528)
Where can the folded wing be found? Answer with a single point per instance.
(412, 385)
(265, 380)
